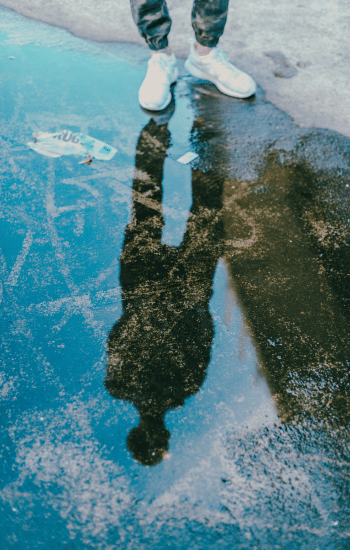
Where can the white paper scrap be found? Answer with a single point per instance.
(187, 157)
(68, 143)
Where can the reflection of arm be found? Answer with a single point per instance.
(157, 366)
(117, 380)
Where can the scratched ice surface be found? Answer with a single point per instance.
(67, 478)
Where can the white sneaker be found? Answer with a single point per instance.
(154, 93)
(217, 68)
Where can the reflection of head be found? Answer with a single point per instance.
(156, 359)
(159, 350)
(149, 442)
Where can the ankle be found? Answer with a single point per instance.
(202, 50)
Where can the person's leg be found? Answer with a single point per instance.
(208, 22)
(153, 21)
(206, 60)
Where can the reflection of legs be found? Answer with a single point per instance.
(151, 151)
(145, 231)
(202, 244)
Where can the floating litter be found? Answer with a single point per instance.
(187, 157)
(69, 143)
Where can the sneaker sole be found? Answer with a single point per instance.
(198, 73)
(167, 100)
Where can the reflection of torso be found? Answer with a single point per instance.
(160, 348)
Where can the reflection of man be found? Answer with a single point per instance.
(159, 349)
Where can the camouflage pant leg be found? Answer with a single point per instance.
(208, 20)
(154, 22)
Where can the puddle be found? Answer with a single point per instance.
(175, 337)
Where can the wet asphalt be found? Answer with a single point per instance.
(175, 338)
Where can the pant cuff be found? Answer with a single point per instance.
(157, 43)
(207, 42)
